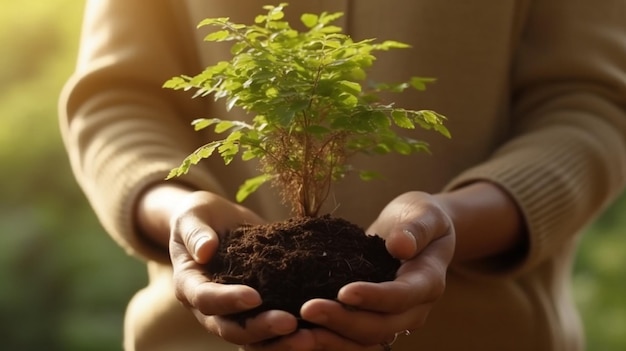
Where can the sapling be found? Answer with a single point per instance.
(311, 109)
(310, 105)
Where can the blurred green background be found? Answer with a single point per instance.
(64, 284)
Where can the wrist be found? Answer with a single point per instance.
(487, 221)
(155, 208)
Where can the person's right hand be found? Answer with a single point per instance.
(195, 227)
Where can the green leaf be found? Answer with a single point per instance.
(403, 148)
(223, 126)
(235, 136)
(249, 155)
(326, 18)
(419, 83)
(357, 73)
(398, 88)
(418, 146)
(175, 172)
(207, 150)
(431, 117)
(276, 15)
(382, 148)
(220, 35)
(309, 20)
(401, 119)
(202, 123)
(369, 175)
(391, 44)
(348, 99)
(335, 44)
(330, 29)
(250, 186)
(238, 47)
(350, 87)
(290, 33)
(213, 21)
(271, 92)
(176, 83)
(228, 149)
(378, 120)
(443, 130)
(202, 152)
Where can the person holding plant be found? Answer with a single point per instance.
(486, 227)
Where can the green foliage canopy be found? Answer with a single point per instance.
(311, 110)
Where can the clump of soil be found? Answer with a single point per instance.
(299, 259)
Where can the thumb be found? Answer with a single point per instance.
(402, 242)
(194, 238)
(202, 244)
(412, 220)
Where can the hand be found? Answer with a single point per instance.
(474, 222)
(417, 230)
(193, 240)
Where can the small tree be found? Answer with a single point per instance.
(311, 110)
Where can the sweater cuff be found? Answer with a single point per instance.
(542, 181)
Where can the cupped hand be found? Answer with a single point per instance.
(418, 231)
(194, 237)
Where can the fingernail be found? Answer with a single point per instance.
(245, 305)
(284, 327)
(349, 298)
(320, 318)
(411, 236)
(248, 301)
(197, 247)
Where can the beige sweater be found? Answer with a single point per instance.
(535, 93)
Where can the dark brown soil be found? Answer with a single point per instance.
(303, 258)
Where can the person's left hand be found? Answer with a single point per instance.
(418, 231)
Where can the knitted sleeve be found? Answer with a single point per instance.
(123, 131)
(567, 159)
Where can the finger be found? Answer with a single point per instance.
(402, 244)
(266, 326)
(432, 262)
(361, 325)
(415, 227)
(194, 289)
(386, 297)
(419, 281)
(300, 340)
(191, 236)
(329, 341)
(314, 339)
(271, 324)
(364, 326)
(214, 299)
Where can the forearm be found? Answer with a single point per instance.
(487, 221)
